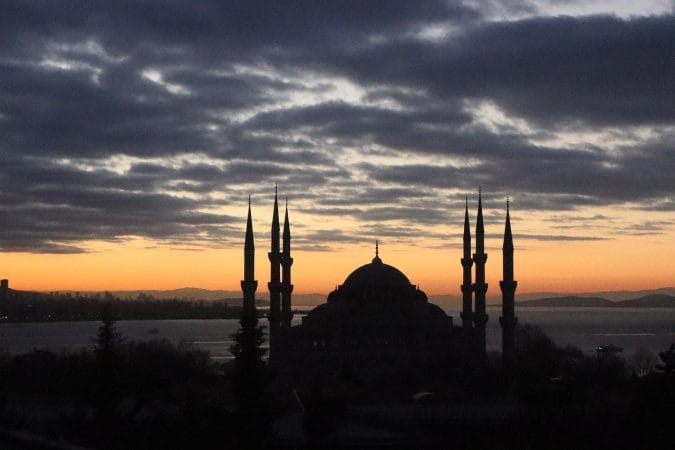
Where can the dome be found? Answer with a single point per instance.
(376, 274)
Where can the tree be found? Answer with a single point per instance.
(247, 347)
(108, 338)
(537, 358)
(668, 360)
(644, 362)
(108, 360)
(249, 380)
(250, 371)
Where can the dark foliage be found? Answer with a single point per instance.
(667, 360)
(249, 380)
(248, 340)
(572, 400)
(157, 395)
(120, 395)
(108, 338)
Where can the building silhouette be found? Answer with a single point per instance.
(377, 325)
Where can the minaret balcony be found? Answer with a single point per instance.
(249, 285)
(480, 258)
(508, 286)
(286, 261)
(274, 257)
(480, 289)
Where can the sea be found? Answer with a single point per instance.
(632, 329)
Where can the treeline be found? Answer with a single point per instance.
(120, 395)
(39, 307)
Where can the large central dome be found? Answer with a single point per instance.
(376, 274)
(377, 282)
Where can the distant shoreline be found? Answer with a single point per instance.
(573, 301)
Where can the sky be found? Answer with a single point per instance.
(132, 133)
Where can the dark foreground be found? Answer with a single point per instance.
(126, 395)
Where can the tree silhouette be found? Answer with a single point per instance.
(249, 380)
(247, 347)
(106, 387)
(668, 359)
(643, 362)
(249, 370)
(108, 338)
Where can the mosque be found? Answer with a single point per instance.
(377, 325)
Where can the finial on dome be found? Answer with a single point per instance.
(377, 259)
(507, 203)
(249, 200)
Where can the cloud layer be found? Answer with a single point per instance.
(154, 119)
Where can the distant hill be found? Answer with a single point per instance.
(651, 301)
(571, 301)
(646, 301)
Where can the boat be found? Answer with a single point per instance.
(609, 349)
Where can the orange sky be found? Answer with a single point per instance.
(618, 262)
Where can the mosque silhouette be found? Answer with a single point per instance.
(377, 326)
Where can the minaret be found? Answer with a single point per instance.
(467, 262)
(480, 287)
(286, 263)
(274, 285)
(508, 285)
(249, 284)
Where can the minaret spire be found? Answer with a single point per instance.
(286, 263)
(508, 285)
(274, 284)
(480, 318)
(249, 284)
(467, 262)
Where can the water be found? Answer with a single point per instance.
(586, 328)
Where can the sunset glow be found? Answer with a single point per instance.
(608, 263)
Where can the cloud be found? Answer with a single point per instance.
(152, 119)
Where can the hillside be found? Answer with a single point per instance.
(569, 301)
(651, 301)
(646, 301)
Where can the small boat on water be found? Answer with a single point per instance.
(609, 349)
